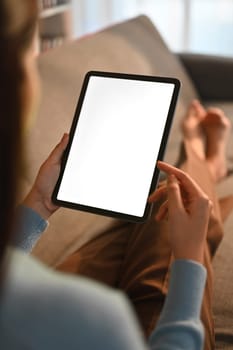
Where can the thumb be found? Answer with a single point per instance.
(174, 195)
(56, 154)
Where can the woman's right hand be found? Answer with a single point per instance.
(188, 211)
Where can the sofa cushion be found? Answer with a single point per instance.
(133, 46)
(223, 260)
(223, 287)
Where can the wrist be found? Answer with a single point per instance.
(196, 254)
(34, 201)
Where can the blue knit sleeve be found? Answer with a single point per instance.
(179, 325)
(28, 229)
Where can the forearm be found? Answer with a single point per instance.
(28, 229)
(38, 204)
(179, 324)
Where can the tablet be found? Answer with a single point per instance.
(120, 130)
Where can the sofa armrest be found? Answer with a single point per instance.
(211, 75)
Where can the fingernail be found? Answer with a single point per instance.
(159, 163)
(149, 199)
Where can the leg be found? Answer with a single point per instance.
(226, 206)
(206, 134)
(145, 270)
(145, 276)
(136, 258)
(101, 258)
(217, 129)
(199, 171)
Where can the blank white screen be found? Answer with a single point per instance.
(116, 144)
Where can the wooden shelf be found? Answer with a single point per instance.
(53, 11)
(54, 26)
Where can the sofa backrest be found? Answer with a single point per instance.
(134, 46)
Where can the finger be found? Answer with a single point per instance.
(162, 183)
(196, 103)
(157, 194)
(174, 195)
(163, 211)
(56, 154)
(162, 216)
(188, 184)
(215, 111)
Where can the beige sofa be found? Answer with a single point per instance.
(134, 46)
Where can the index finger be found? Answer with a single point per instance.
(186, 181)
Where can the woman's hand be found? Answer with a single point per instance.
(39, 198)
(188, 210)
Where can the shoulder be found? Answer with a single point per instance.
(62, 308)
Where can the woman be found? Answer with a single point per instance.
(46, 310)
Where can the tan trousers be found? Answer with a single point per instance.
(136, 258)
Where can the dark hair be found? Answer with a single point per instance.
(18, 20)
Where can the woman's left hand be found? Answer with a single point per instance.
(39, 198)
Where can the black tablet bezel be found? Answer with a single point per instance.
(155, 177)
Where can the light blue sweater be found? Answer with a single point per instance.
(45, 310)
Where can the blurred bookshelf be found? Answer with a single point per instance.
(55, 23)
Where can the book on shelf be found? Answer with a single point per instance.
(45, 4)
(49, 42)
(55, 24)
